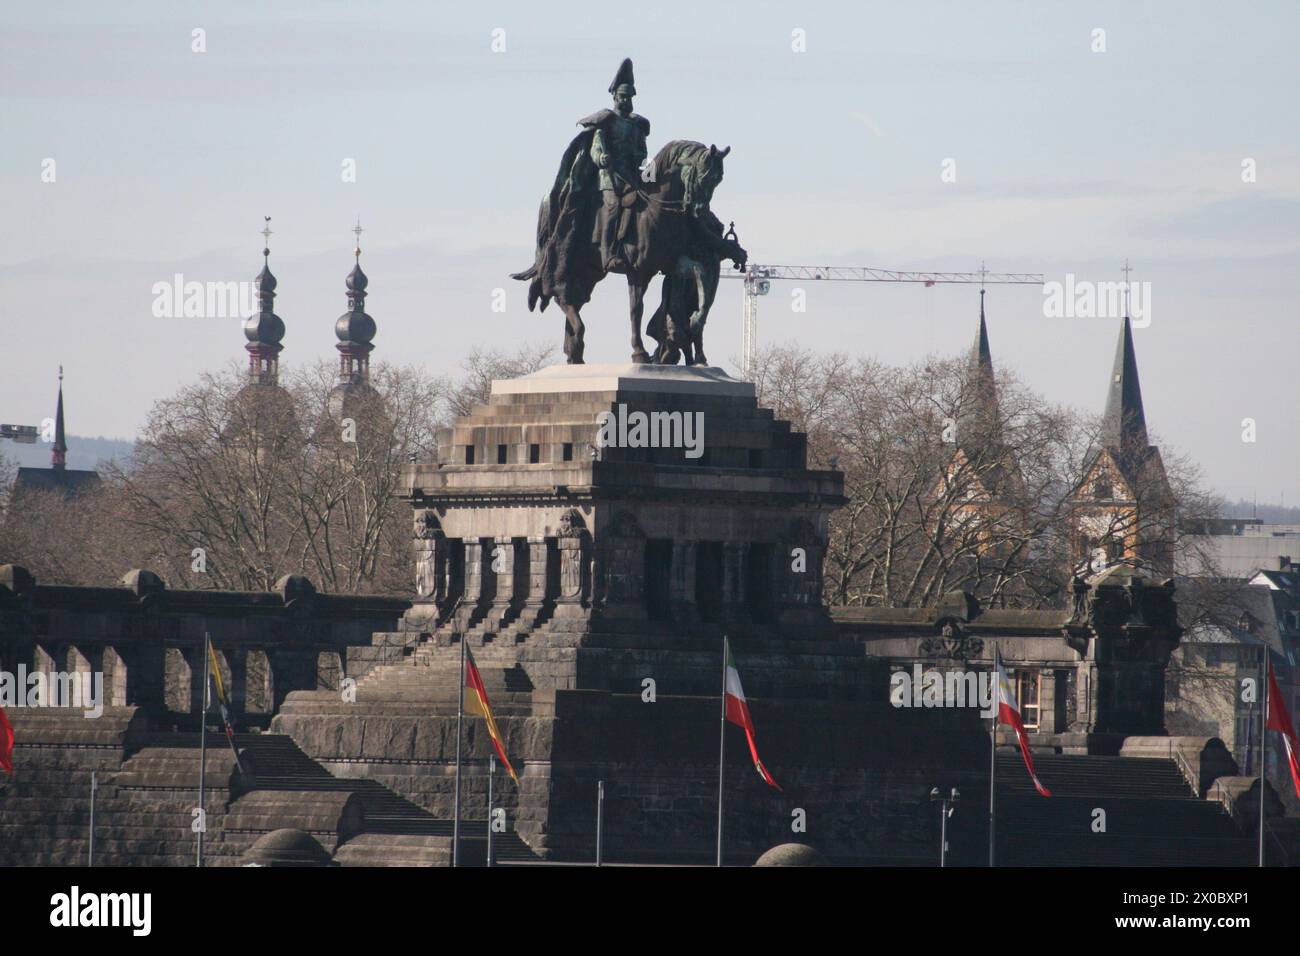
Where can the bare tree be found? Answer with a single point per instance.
(235, 485)
(481, 366)
(953, 483)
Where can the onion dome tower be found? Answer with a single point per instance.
(356, 331)
(264, 329)
(262, 413)
(354, 328)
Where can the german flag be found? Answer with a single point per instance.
(476, 702)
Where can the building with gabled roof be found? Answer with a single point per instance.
(1123, 508)
(58, 477)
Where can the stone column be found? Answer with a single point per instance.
(84, 663)
(194, 658)
(470, 609)
(1047, 702)
(115, 677)
(733, 578)
(502, 564)
(237, 664)
(620, 562)
(538, 592)
(683, 583)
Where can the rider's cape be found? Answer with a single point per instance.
(567, 220)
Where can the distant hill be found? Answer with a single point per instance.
(83, 453)
(1269, 514)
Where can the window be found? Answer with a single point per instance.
(1027, 686)
(568, 451)
(534, 454)
(503, 452)
(756, 458)
(469, 454)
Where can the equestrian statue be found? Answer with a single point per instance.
(612, 210)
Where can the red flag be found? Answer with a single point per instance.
(738, 712)
(6, 743)
(1280, 720)
(1009, 713)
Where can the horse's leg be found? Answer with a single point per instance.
(697, 336)
(573, 335)
(636, 303)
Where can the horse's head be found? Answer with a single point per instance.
(708, 167)
(695, 168)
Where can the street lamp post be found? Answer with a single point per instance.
(947, 805)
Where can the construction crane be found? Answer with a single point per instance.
(25, 434)
(758, 281)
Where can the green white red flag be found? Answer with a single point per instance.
(1279, 720)
(1009, 713)
(6, 743)
(737, 711)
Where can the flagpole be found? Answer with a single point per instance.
(460, 713)
(492, 770)
(94, 786)
(203, 748)
(600, 820)
(722, 745)
(1263, 751)
(993, 756)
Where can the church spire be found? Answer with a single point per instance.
(264, 329)
(59, 453)
(1124, 423)
(979, 420)
(981, 358)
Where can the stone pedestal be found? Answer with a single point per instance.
(624, 571)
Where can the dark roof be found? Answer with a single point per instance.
(67, 480)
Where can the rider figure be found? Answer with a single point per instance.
(618, 148)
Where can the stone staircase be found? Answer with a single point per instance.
(430, 675)
(147, 793)
(1152, 816)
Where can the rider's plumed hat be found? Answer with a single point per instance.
(624, 78)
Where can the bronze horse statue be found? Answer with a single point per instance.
(669, 230)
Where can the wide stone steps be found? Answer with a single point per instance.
(1151, 815)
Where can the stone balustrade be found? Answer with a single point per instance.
(147, 639)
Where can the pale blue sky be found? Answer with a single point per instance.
(1067, 161)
